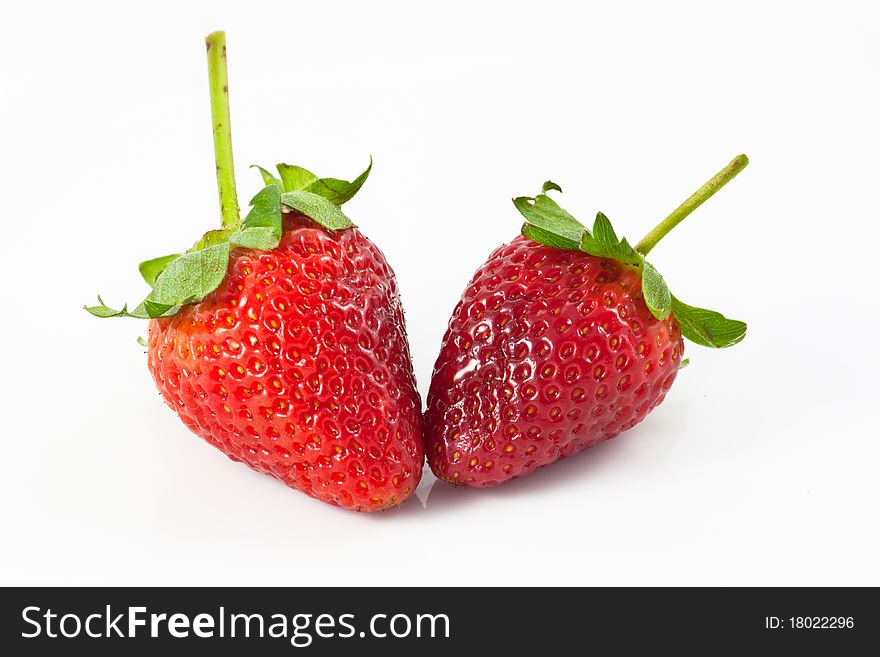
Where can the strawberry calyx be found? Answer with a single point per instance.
(181, 278)
(302, 190)
(548, 223)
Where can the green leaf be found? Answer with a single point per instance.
(150, 269)
(265, 210)
(684, 363)
(547, 223)
(260, 238)
(102, 310)
(212, 238)
(317, 198)
(707, 327)
(153, 310)
(268, 177)
(339, 191)
(294, 177)
(318, 208)
(182, 279)
(542, 236)
(602, 242)
(189, 278)
(141, 341)
(261, 229)
(555, 227)
(656, 293)
(144, 310)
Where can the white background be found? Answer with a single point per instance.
(761, 466)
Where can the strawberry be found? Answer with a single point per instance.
(564, 337)
(280, 338)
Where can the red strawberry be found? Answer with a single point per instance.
(563, 338)
(298, 365)
(280, 339)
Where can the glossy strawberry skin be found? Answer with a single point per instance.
(298, 365)
(549, 352)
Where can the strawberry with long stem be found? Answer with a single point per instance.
(565, 337)
(279, 338)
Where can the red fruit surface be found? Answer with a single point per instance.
(548, 353)
(298, 365)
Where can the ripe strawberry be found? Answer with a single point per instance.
(280, 339)
(563, 338)
(298, 365)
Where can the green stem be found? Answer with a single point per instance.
(699, 197)
(219, 86)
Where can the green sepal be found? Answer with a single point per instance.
(340, 191)
(547, 223)
(656, 293)
(542, 236)
(154, 309)
(199, 271)
(707, 327)
(212, 238)
(317, 198)
(262, 227)
(189, 277)
(150, 269)
(268, 177)
(103, 310)
(294, 177)
(318, 208)
(261, 238)
(602, 242)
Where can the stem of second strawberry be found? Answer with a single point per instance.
(696, 199)
(219, 88)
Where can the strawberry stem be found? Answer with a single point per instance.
(696, 199)
(219, 88)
